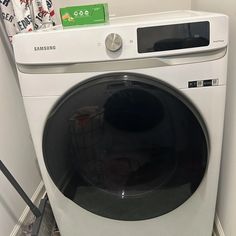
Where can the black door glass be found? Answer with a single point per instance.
(125, 146)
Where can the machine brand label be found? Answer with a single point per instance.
(45, 48)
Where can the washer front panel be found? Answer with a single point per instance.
(125, 146)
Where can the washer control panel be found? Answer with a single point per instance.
(125, 38)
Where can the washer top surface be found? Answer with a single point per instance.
(139, 19)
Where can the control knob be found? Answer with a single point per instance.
(113, 42)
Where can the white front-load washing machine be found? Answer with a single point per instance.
(127, 121)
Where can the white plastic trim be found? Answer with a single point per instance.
(218, 230)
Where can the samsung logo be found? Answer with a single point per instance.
(45, 48)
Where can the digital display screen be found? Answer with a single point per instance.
(173, 37)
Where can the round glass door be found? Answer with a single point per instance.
(125, 146)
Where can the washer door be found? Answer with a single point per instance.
(125, 146)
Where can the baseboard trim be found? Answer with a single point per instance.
(218, 230)
(38, 194)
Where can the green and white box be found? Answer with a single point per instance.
(84, 15)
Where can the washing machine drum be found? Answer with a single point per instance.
(125, 146)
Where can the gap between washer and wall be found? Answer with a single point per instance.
(26, 214)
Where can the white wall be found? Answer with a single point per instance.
(226, 208)
(129, 7)
(16, 149)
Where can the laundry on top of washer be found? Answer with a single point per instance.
(84, 15)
